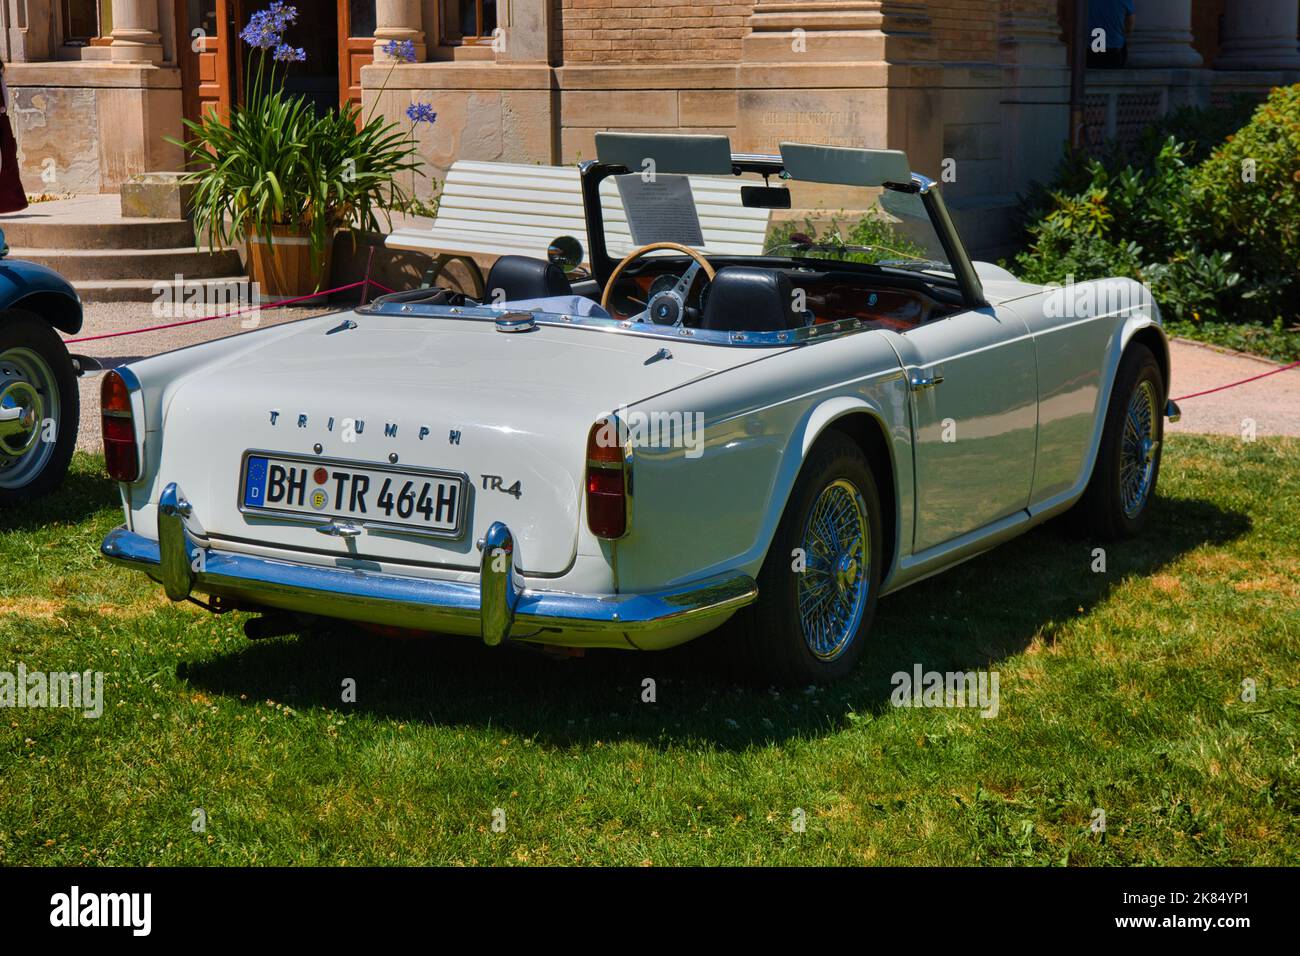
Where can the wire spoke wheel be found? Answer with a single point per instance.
(1138, 449)
(832, 592)
(29, 397)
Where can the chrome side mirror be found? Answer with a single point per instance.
(565, 252)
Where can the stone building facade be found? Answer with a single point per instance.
(96, 85)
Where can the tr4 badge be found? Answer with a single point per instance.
(497, 483)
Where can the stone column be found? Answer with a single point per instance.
(1030, 38)
(1035, 81)
(398, 20)
(135, 32)
(1162, 35)
(843, 31)
(527, 28)
(1259, 35)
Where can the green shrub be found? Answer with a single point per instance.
(871, 230)
(1255, 213)
(1201, 130)
(1207, 244)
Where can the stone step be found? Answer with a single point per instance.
(30, 232)
(153, 265)
(136, 290)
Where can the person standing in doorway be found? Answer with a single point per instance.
(12, 195)
(1109, 24)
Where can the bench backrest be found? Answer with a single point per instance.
(495, 209)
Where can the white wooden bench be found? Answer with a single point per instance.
(488, 210)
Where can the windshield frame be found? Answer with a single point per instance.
(964, 277)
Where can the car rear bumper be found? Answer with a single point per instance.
(496, 607)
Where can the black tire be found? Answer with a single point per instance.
(768, 635)
(24, 333)
(1101, 512)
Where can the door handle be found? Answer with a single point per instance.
(919, 380)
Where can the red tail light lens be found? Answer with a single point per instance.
(608, 481)
(118, 426)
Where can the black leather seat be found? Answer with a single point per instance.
(523, 277)
(750, 299)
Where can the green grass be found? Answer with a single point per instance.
(1277, 342)
(1118, 690)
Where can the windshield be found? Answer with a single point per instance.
(853, 224)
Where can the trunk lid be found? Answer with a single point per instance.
(437, 393)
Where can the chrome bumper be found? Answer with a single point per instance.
(497, 603)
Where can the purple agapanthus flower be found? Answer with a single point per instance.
(289, 54)
(256, 35)
(402, 50)
(419, 113)
(265, 29)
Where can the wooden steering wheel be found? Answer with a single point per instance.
(680, 290)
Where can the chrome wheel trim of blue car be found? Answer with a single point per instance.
(28, 387)
(832, 591)
(1139, 450)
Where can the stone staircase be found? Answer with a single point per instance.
(109, 257)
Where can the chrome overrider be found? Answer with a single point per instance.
(183, 560)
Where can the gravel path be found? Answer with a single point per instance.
(1272, 403)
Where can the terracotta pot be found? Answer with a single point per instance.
(283, 267)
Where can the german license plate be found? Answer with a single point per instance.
(415, 499)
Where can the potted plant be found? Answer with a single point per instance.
(284, 180)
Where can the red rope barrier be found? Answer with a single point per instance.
(231, 315)
(1253, 378)
(213, 318)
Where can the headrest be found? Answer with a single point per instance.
(750, 299)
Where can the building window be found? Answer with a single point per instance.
(81, 21)
(361, 18)
(468, 21)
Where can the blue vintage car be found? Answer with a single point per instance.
(39, 404)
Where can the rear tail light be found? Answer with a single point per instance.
(118, 426)
(608, 481)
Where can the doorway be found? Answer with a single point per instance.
(317, 33)
(336, 37)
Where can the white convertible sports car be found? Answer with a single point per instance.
(631, 457)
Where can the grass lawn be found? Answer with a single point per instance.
(1119, 690)
(1276, 342)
